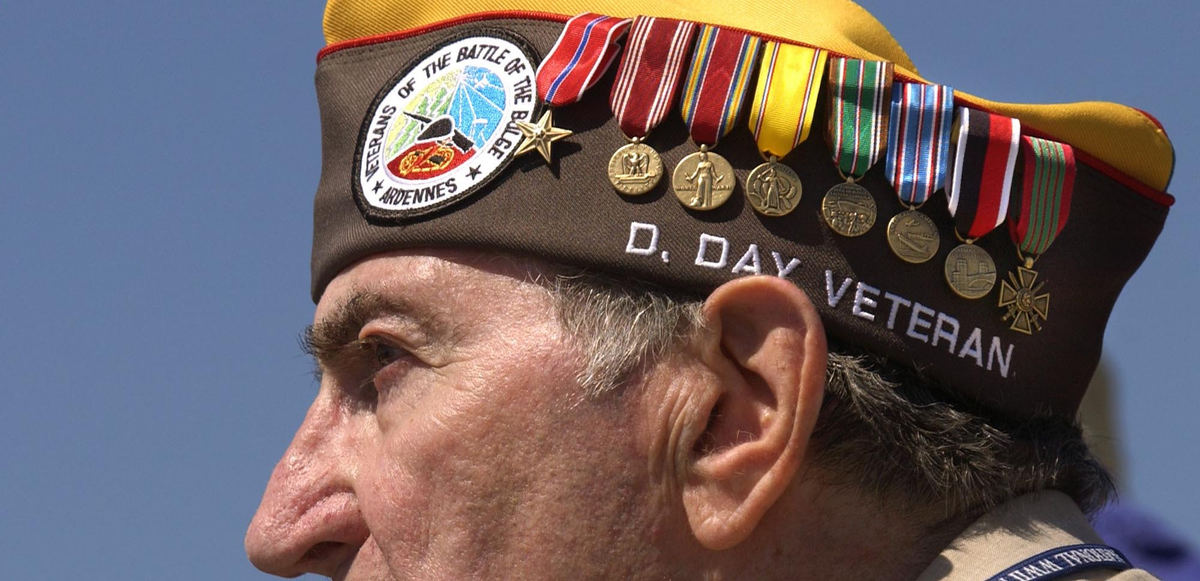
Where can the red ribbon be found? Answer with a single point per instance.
(985, 152)
(717, 81)
(582, 54)
(648, 77)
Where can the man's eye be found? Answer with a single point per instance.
(374, 355)
(383, 353)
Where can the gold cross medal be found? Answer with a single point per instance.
(1026, 306)
(856, 132)
(1037, 218)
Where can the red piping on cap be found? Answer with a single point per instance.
(1156, 196)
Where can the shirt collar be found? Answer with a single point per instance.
(1014, 531)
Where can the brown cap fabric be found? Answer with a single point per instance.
(567, 212)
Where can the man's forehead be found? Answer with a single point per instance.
(425, 284)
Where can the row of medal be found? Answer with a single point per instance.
(971, 154)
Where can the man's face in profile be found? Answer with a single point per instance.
(450, 437)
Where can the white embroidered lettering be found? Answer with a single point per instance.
(834, 299)
(702, 251)
(973, 346)
(998, 356)
(1032, 570)
(940, 332)
(632, 247)
(915, 321)
(897, 300)
(749, 262)
(861, 298)
(784, 270)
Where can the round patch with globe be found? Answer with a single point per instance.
(444, 126)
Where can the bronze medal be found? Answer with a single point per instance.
(773, 189)
(538, 136)
(635, 169)
(1027, 305)
(913, 236)
(849, 209)
(1040, 214)
(970, 271)
(703, 180)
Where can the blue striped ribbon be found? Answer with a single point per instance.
(919, 140)
(722, 65)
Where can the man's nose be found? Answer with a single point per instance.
(309, 519)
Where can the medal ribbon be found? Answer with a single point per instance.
(580, 56)
(919, 140)
(1041, 210)
(648, 77)
(985, 153)
(785, 96)
(858, 117)
(717, 81)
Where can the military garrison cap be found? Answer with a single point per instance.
(686, 144)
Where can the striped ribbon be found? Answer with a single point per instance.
(985, 153)
(919, 140)
(1041, 211)
(858, 117)
(648, 77)
(717, 81)
(785, 96)
(580, 56)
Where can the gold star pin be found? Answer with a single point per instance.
(1026, 307)
(540, 135)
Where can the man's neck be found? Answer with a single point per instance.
(819, 531)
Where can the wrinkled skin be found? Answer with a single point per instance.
(472, 455)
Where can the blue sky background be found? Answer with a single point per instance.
(157, 161)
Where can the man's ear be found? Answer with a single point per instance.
(767, 350)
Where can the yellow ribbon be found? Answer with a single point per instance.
(785, 97)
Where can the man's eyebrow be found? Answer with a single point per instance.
(336, 335)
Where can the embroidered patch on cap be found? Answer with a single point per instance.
(445, 125)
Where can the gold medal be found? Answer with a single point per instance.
(913, 236)
(1026, 307)
(849, 209)
(970, 272)
(773, 189)
(703, 180)
(635, 168)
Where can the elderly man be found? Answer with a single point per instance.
(537, 364)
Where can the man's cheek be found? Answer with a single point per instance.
(406, 399)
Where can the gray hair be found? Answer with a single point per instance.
(882, 427)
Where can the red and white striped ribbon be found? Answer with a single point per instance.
(648, 77)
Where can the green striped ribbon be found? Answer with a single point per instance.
(1045, 202)
(858, 115)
